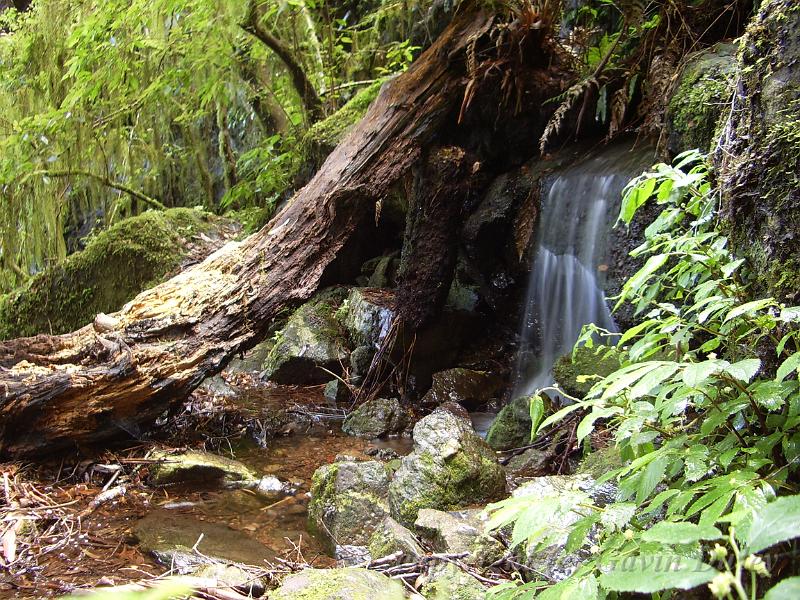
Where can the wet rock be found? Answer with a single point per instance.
(457, 532)
(462, 296)
(450, 467)
(529, 463)
(391, 537)
(553, 562)
(336, 392)
(756, 160)
(511, 427)
(338, 584)
(169, 538)
(231, 576)
(369, 315)
(360, 361)
(348, 503)
(199, 467)
(308, 346)
(701, 96)
(376, 418)
(465, 386)
(270, 487)
(448, 581)
(253, 359)
(578, 371)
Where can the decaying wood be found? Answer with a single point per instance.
(436, 212)
(88, 385)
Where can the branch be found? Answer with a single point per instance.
(309, 96)
(151, 202)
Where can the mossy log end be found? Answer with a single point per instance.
(85, 386)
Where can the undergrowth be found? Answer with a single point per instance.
(705, 411)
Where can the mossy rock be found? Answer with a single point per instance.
(576, 373)
(469, 388)
(701, 99)
(195, 466)
(338, 584)
(511, 427)
(758, 156)
(451, 582)
(116, 264)
(451, 467)
(311, 344)
(376, 418)
(348, 503)
(324, 136)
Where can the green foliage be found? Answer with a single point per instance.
(113, 107)
(705, 408)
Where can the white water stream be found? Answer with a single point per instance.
(565, 293)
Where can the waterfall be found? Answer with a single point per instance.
(565, 289)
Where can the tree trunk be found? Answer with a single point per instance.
(126, 369)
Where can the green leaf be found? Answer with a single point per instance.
(651, 477)
(788, 589)
(667, 532)
(587, 423)
(744, 370)
(626, 377)
(696, 373)
(536, 412)
(643, 275)
(777, 522)
(649, 573)
(748, 307)
(790, 364)
(770, 394)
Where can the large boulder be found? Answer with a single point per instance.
(338, 584)
(376, 418)
(115, 265)
(450, 467)
(348, 503)
(311, 344)
(700, 99)
(467, 387)
(758, 155)
(511, 427)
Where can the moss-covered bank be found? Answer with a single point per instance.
(116, 265)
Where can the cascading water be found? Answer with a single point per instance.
(565, 288)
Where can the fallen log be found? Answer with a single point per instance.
(101, 380)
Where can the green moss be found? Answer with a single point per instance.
(577, 374)
(345, 584)
(759, 154)
(511, 427)
(324, 136)
(701, 99)
(116, 265)
(600, 462)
